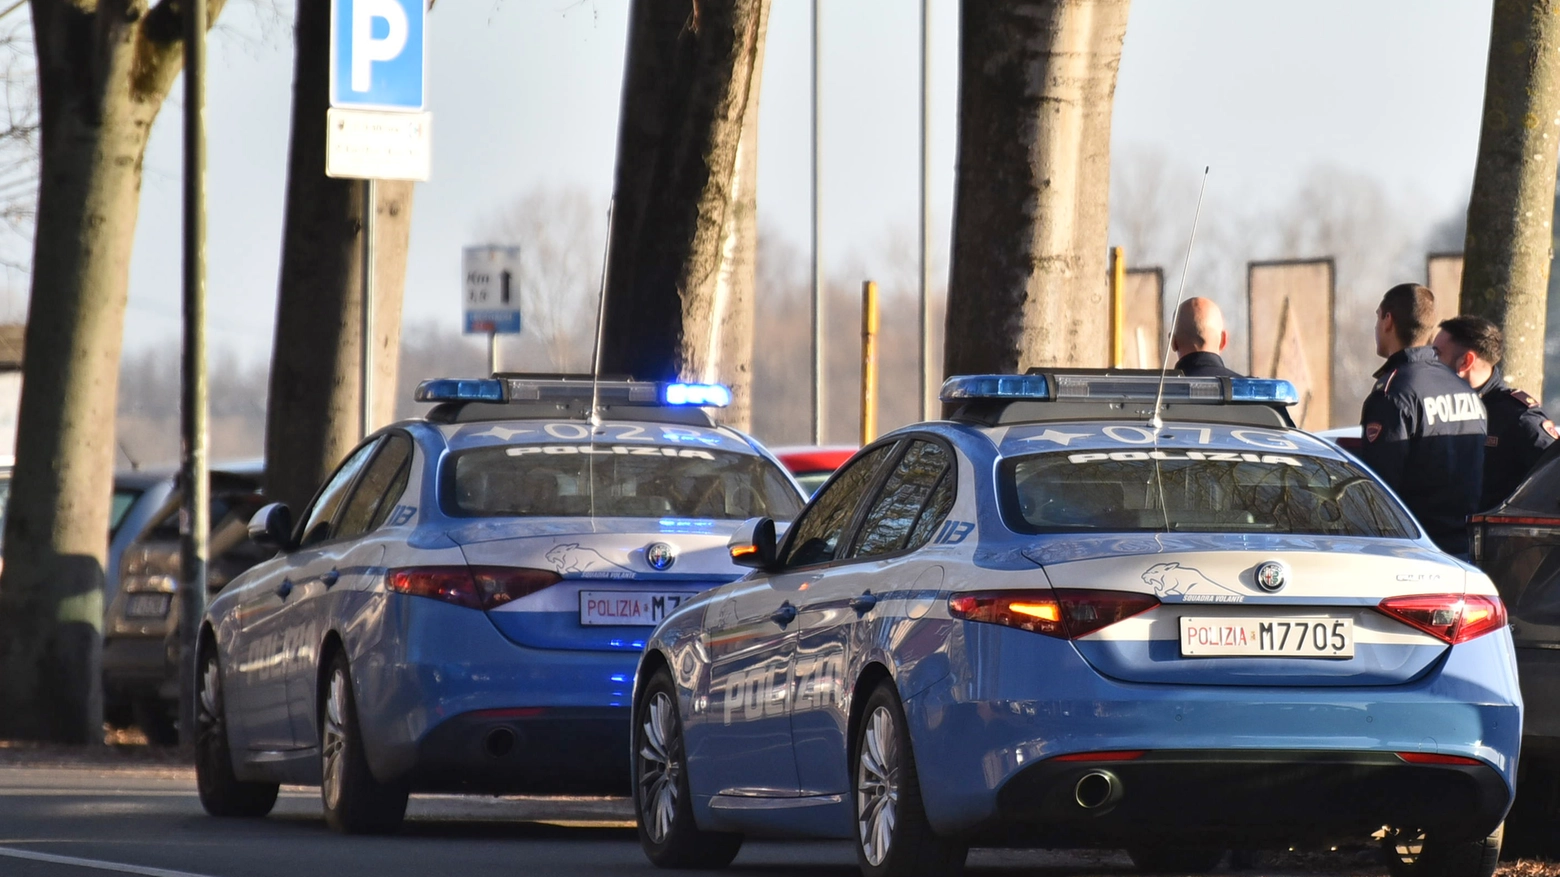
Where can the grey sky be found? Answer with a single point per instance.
(525, 92)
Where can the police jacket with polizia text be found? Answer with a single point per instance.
(1423, 433)
(1519, 431)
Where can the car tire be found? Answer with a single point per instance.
(1416, 854)
(1179, 860)
(354, 801)
(893, 836)
(663, 805)
(156, 719)
(222, 793)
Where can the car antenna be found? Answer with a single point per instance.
(601, 311)
(595, 363)
(1154, 420)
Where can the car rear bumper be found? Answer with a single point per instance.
(136, 667)
(578, 750)
(1250, 798)
(1031, 698)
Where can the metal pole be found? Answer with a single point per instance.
(196, 518)
(370, 203)
(926, 219)
(1118, 308)
(869, 361)
(817, 263)
(492, 352)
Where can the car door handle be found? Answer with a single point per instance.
(331, 578)
(864, 603)
(284, 588)
(784, 615)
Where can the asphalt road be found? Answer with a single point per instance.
(85, 821)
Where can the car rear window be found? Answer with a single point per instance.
(124, 498)
(681, 482)
(1197, 491)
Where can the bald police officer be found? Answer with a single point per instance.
(1199, 338)
(1519, 430)
(1423, 426)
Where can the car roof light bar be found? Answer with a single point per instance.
(1074, 387)
(619, 392)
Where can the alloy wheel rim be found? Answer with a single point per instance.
(877, 787)
(658, 767)
(334, 739)
(210, 701)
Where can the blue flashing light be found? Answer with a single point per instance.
(460, 390)
(961, 387)
(1264, 390)
(701, 395)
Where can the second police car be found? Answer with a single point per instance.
(1053, 620)
(462, 605)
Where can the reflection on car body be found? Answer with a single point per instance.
(1046, 622)
(461, 606)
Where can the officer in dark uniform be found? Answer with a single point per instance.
(1423, 426)
(1199, 338)
(1519, 430)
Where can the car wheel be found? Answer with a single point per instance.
(893, 836)
(663, 806)
(222, 793)
(155, 717)
(1417, 854)
(1182, 860)
(355, 802)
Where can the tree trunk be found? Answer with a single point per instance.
(103, 71)
(680, 287)
(312, 419)
(1028, 283)
(1509, 245)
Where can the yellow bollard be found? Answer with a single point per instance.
(869, 361)
(1118, 307)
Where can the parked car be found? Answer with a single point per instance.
(1054, 621)
(462, 604)
(140, 626)
(812, 465)
(1517, 544)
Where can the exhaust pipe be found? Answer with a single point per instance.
(499, 742)
(1097, 789)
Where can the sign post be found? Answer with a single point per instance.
(490, 280)
(376, 128)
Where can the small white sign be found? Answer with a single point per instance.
(491, 283)
(373, 145)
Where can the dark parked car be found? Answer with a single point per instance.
(140, 648)
(1517, 544)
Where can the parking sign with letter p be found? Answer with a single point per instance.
(377, 52)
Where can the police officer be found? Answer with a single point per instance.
(1519, 430)
(1423, 425)
(1199, 338)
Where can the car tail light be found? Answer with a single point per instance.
(1451, 618)
(475, 587)
(1437, 758)
(1111, 755)
(1066, 613)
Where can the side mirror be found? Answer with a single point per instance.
(753, 545)
(271, 527)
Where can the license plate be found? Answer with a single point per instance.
(1268, 637)
(620, 608)
(147, 605)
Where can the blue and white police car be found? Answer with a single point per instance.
(1072, 616)
(461, 607)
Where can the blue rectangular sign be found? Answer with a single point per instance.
(377, 51)
(498, 322)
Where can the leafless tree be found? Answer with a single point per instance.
(560, 232)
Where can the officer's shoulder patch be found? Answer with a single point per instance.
(1549, 427)
(1524, 398)
(1372, 431)
(1492, 441)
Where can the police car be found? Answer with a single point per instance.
(1070, 616)
(461, 607)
